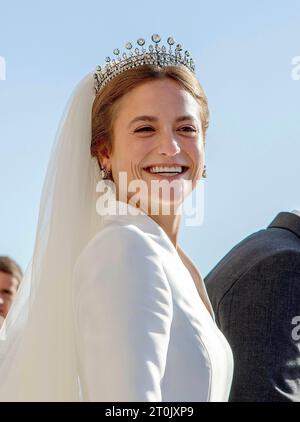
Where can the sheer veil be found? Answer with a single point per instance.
(37, 353)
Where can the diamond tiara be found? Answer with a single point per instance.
(157, 55)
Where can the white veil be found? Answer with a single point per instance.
(37, 353)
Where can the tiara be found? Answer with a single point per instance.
(157, 55)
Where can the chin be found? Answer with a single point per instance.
(166, 206)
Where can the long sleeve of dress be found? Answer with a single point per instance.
(123, 314)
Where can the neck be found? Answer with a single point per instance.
(297, 212)
(170, 224)
(169, 221)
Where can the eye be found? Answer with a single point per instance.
(188, 129)
(144, 129)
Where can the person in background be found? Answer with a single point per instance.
(10, 278)
(255, 293)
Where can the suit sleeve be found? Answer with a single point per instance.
(257, 315)
(123, 310)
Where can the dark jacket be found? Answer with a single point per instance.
(255, 293)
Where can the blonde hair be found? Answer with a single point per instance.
(106, 101)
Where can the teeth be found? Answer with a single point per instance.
(156, 169)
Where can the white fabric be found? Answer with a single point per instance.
(38, 340)
(142, 331)
(37, 359)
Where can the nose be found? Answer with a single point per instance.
(168, 145)
(1, 301)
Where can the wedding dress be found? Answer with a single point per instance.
(106, 309)
(142, 331)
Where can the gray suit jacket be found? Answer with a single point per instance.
(255, 293)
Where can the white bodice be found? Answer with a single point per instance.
(142, 330)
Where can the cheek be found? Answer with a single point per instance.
(196, 154)
(121, 154)
(129, 158)
(137, 154)
(5, 301)
(142, 147)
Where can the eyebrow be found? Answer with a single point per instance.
(155, 119)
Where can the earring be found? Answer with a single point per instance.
(204, 174)
(105, 174)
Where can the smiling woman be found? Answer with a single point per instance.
(106, 103)
(166, 108)
(111, 308)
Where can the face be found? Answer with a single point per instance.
(157, 125)
(8, 290)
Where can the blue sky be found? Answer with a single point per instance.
(243, 53)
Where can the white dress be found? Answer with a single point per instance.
(142, 331)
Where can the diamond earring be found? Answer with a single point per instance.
(105, 174)
(204, 174)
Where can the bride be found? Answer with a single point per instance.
(110, 307)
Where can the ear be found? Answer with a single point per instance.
(104, 155)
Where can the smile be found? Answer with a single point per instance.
(166, 171)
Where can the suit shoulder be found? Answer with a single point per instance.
(283, 259)
(279, 267)
(254, 249)
(276, 248)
